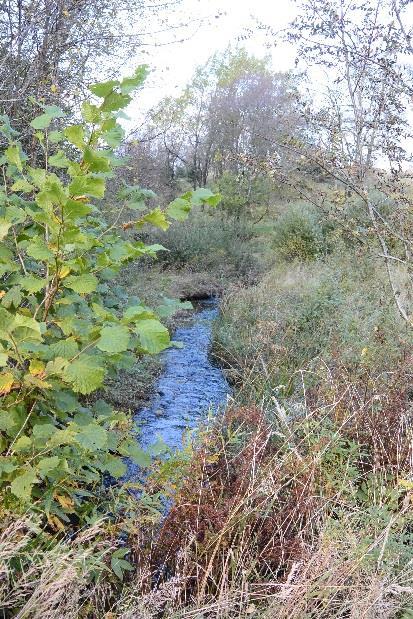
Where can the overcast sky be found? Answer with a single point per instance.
(213, 25)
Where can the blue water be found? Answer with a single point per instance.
(189, 387)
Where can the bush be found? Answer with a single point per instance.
(209, 241)
(299, 235)
(65, 327)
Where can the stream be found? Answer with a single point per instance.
(189, 386)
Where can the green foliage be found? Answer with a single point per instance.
(209, 242)
(299, 235)
(245, 193)
(63, 329)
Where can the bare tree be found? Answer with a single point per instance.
(51, 49)
(358, 134)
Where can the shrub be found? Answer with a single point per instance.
(299, 235)
(209, 241)
(63, 327)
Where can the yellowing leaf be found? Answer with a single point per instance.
(156, 218)
(65, 501)
(37, 367)
(405, 483)
(55, 523)
(6, 382)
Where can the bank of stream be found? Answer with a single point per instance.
(189, 386)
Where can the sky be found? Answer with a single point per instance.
(212, 26)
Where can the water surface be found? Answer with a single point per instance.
(189, 386)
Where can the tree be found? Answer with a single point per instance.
(358, 134)
(52, 49)
(219, 131)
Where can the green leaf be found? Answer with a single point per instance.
(12, 154)
(23, 443)
(137, 312)
(115, 466)
(41, 433)
(4, 228)
(38, 250)
(52, 193)
(22, 185)
(96, 160)
(46, 465)
(131, 449)
(92, 437)
(56, 367)
(114, 136)
(12, 298)
(55, 137)
(6, 467)
(31, 283)
(75, 209)
(24, 324)
(75, 134)
(84, 374)
(59, 160)
(22, 485)
(129, 84)
(153, 335)
(118, 563)
(156, 218)
(15, 214)
(90, 113)
(179, 209)
(202, 195)
(3, 359)
(38, 176)
(87, 185)
(41, 122)
(102, 89)
(115, 101)
(114, 339)
(65, 348)
(83, 284)
(6, 320)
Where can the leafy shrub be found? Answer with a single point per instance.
(245, 195)
(209, 241)
(63, 327)
(299, 235)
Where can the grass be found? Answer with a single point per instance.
(296, 502)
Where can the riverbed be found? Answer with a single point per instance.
(190, 386)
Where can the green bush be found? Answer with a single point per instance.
(245, 194)
(298, 234)
(64, 328)
(209, 241)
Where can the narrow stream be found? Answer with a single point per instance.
(189, 386)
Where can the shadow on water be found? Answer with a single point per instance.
(189, 387)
